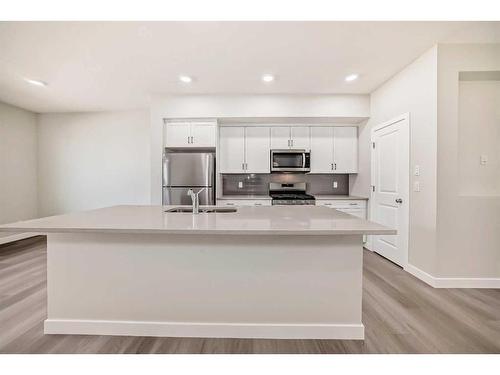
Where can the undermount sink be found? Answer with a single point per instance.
(216, 210)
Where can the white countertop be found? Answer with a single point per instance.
(272, 220)
(250, 197)
(339, 197)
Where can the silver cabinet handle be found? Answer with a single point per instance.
(353, 204)
(331, 166)
(192, 139)
(229, 204)
(188, 140)
(335, 164)
(399, 200)
(327, 204)
(243, 166)
(291, 142)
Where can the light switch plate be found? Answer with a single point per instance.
(483, 159)
(335, 184)
(240, 185)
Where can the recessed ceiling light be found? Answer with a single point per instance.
(268, 78)
(185, 79)
(351, 77)
(36, 82)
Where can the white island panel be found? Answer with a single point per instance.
(213, 286)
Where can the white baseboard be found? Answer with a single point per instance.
(16, 237)
(453, 282)
(215, 330)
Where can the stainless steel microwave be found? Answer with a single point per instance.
(290, 161)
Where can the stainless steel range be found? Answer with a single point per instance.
(290, 194)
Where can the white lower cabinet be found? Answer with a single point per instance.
(243, 202)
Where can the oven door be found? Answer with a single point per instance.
(290, 161)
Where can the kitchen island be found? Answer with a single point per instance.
(259, 272)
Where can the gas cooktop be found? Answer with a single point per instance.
(290, 194)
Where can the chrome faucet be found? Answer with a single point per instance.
(195, 200)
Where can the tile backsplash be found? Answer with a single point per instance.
(258, 184)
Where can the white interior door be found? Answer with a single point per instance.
(257, 150)
(321, 149)
(390, 187)
(231, 149)
(301, 137)
(280, 137)
(345, 149)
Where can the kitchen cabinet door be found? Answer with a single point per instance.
(203, 134)
(177, 134)
(257, 149)
(300, 137)
(345, 149)
(321, 149)
(244, 202)
(231, 149)
(280, 137)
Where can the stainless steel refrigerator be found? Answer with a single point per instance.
(184, 170)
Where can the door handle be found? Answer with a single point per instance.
(399, 200)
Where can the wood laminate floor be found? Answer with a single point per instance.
(401, 315)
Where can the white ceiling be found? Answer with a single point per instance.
(118, 65)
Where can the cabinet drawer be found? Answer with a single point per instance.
(344, 203)
(244, 202)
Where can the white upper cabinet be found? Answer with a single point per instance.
(203, 134)
(187, 134)
(257, 150)
(177, 134)
(322, 149)
(290, 137)
(232, 149)
(244, 149)
(345, 149)
(280, 137)
(334, 149)
(300, 137)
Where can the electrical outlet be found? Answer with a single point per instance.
(417, 170)
(335, 184)
(240, 185)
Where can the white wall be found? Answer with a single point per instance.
(479, 134)
(91, 160)
(412, 90)
(18, 165)
(223, 106)
(468, 221)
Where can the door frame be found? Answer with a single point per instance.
(406, 195)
